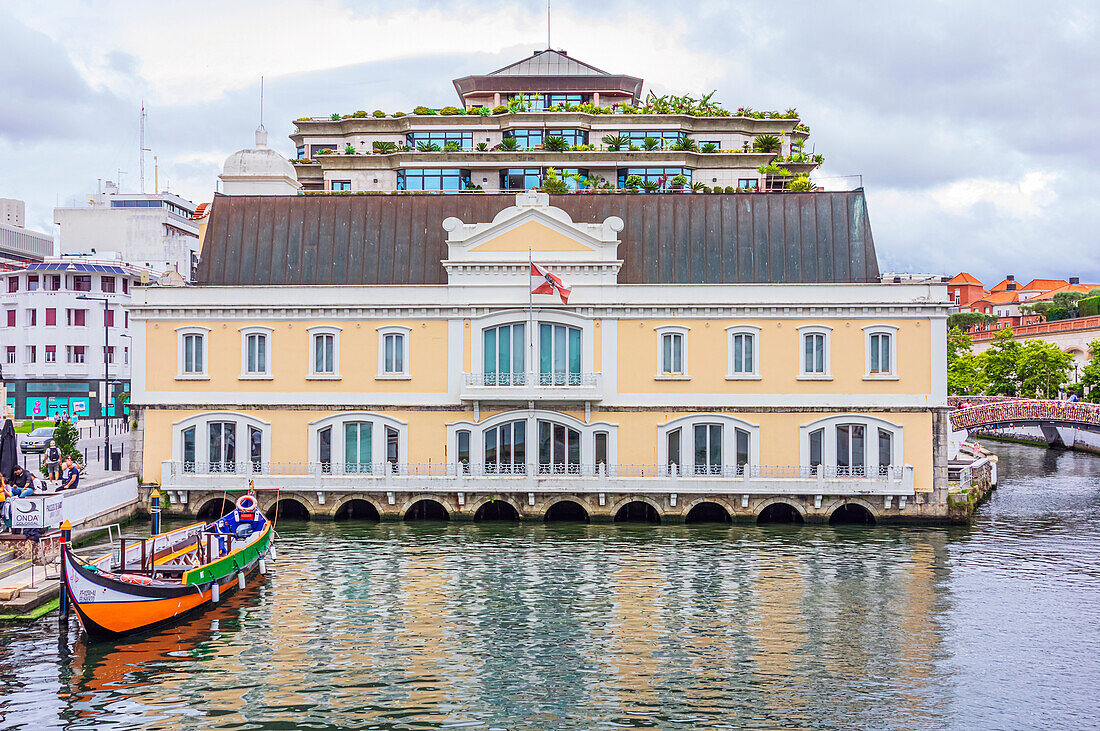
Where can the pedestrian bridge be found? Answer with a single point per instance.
(1047, 415)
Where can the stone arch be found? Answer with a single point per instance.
(356, 508)
(567, 510)
(289, 508)
(637, 511)
(706, 510)
(616, 506)
(476, 504)
(497, 510)
(766, 513)
(426, 508)
(213, 508)
(853, 512)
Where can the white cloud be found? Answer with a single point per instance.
(1026, 198)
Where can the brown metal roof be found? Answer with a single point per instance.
(672, 238)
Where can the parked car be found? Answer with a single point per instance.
(37, 441)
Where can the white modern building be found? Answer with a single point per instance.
(60, 320)
(151, 231)
(17, 243)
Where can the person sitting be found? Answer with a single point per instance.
(21, 483)
(70, 478)
(53, 462)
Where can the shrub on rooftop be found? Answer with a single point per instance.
(359, 115)
(379, 113)
(335, 117)
(500, 109)
(421, 110)
(450, 111)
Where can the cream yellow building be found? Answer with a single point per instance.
(729, 356)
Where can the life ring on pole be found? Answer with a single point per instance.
(246, 507)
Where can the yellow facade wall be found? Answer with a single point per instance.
(637, 434)
(289, 357)
(778, 344)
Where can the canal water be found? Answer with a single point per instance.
(418, 626)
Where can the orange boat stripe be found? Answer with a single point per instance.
(128, 616)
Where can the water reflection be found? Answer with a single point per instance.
(408, 626)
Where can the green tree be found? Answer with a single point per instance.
(967, 320)
(1042, 368)
(999, 363)
(65, 435)
(965, 376)
(1090, 374)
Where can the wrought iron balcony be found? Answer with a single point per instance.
(532, 386)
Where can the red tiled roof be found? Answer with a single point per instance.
(1082, 288)
(963, 278)
(1044, 285)
(1000, 298)
(201, 212)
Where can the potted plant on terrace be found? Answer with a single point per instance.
(615, 142)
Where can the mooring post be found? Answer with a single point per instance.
(63, 600)
(154, 511)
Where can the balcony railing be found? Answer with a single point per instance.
(532, 385)
(538, 477)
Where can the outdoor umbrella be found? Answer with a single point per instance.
(8, 458)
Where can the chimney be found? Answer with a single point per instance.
(1010, 277)
(1075, 280)
(1011, 287)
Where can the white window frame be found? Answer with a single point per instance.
(405, 333)
(754, 332)
(587, 431)
(892, 332)
(686, 425)
(378, 438)
(181, 336)
(202, 437)
(540, 317)
(871, 425)
(803, 331)
(683, 331)
(247, 375)
(324, 330)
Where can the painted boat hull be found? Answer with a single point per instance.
(108, 606)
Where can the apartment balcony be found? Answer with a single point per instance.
(474, 159)
(393, 477)
(543, 387)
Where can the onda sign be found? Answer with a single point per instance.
(36, 512)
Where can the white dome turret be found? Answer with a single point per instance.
(258, 171)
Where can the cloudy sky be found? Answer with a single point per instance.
(972, 124)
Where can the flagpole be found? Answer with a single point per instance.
(530, 312)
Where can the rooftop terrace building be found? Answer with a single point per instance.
(552, 111)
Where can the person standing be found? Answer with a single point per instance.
(53, 462)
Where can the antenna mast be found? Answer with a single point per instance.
(261, 101)
(547, 25)
(143, 149)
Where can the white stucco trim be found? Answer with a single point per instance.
(871, 425)
(265, 374)
(181, 335)
(803, 331)
(378, 435)
(729, 439)
(683, 331)
(202, 435)
(405, 332)
(532, 417)
(892, 332)
(310, 365)
(751, 375)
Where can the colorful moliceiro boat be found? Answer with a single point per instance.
(159, 579)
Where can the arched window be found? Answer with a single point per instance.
(672, 352)
(851, 445)
(191, 353)
(256, 352)
(881, 351)
(358, 442)
(743, 352)
(221, 441)
(813, 355)
(526, 442)
(708, 444)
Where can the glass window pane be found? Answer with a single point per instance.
(558, 447)
(544, 443)
(490, 355)
(559, 349)
(398, 353)
(215, 434)
(318, 354)
(808, 349)
(742, 447)
(464, 447)
(715, 445)
(324, 443)
(674, 447)
(859, 451)
(601, 447)
(885, 448)
(574, 350)
(819, 353)
(189, 444)
(519, 442)
(677, 353)
(491, 445)
(545, 349)
(519, 348)
(817, 436)
(666, 363)
(574, 445)
(330, 354)
(255, 444)
(700, 447)
(748, 363)
(874, 353)
(504, 349)
(843, 445)
(505, 448)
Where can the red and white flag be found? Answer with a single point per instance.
(543, 282)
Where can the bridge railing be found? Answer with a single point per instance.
(536, 477)
(1026, 410)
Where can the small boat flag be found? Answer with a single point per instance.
(543, 282)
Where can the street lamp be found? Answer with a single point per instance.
(106, 378)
